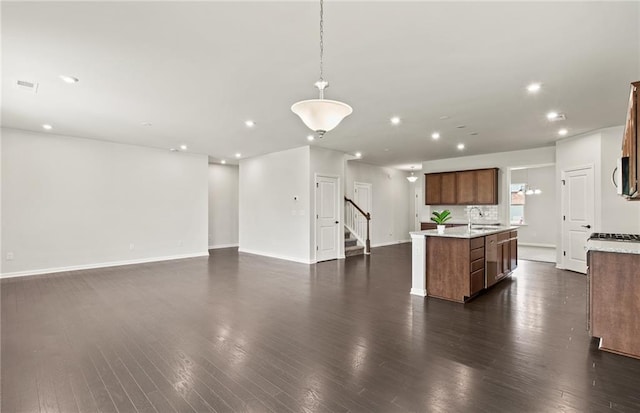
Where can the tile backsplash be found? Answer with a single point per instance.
(461, 212)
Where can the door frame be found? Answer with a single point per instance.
(563, 204)
(417, 206)
(339, 207)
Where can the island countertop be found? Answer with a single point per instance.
(463, 232)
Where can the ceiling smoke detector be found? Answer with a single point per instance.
(27, 86)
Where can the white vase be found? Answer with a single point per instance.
(441, 229)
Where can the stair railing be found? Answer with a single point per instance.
(357, 221)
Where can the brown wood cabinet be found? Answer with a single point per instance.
(473, 187)
(466, 187)
(614, 301)
(630, 146)
(460, 268)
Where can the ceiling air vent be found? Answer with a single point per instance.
(26, 86)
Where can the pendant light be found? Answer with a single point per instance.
(412, 178)
(321, 115)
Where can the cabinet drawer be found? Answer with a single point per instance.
(477, 281)
(503, 236)
(477, 265)
(514, 234)
(476, 254)
(476, 243)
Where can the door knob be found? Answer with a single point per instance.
(586, 226)
(337, 222)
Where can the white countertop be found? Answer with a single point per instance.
(465, 222)
(614, 246)
(462, 232)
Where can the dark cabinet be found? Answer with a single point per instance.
(448, 189)
(466, 187)
(491, 256)
(486, 187)
(473, 187)
(513, 251)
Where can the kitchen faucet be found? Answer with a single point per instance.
(469, 214)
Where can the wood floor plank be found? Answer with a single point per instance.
(243, 333)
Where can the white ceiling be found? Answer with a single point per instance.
(198, 70)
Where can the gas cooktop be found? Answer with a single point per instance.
(601, 236)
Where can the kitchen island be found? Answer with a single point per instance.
(460, 263)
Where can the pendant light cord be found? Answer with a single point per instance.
(321, 37)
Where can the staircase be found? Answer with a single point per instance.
(351, 246)
(356, 230)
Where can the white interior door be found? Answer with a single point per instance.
(578, 216)
(362, 195)
(327, 218)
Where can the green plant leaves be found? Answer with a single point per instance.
(441, 217)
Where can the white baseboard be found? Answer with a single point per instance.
(533, 244)
(277, 256)
(101, 265)
(560, 267)
(384, 244)
(219, 246)
(419, 292)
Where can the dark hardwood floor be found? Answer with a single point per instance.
(237, 332)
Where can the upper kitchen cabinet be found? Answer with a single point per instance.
(487, 186)
(474, 187)
(466, 187)
(630, 148)
(440, 189)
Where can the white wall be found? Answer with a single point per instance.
(78, 203)
(223, 205)
(618, 214)
(392, 201)
(601, 149)
(271, 222)
(539, 210)
(325, 162)
(502, 160)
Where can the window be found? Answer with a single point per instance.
(516, 209)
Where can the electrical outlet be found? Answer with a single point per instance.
(9, 256)
(131, 247)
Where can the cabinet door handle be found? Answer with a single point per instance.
(586, 226)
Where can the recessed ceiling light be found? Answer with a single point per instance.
(238, 155)
(461, 126)
(310, 137)
(460, 146)
(435, 135)
(563, 132)
(358, 155)
(554, 116)
(473, 133)
(183, 147)
(395, 120)
(146, 123)
(250, 123)
(69, 79)
(46, 126)
(444, 117)
(534, 87)
(223, 161)
(174, 149)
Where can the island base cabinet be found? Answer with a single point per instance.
(458, 269)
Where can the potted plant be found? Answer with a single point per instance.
(440, 218)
